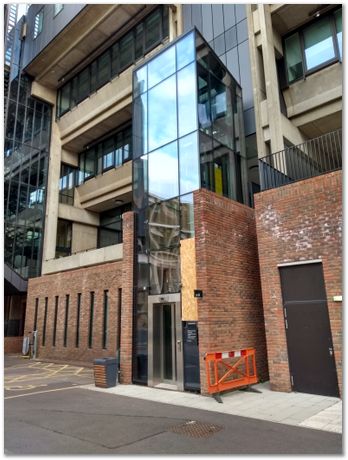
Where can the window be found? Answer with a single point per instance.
(55, 321)
(110, 230)
(105, 319)
(90, 326)
(58, 8)
(44, 323)
(127, 50)
(38, 22)
(64, 233)
(66, 320)
(36, 313)
(78, 313)
(314, 46)
(67, 184)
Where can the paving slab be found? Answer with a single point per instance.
(297, 409)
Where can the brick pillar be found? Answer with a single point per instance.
(127, 298)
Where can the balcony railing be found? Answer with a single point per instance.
(312, 158)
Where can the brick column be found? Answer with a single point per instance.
(127, 298)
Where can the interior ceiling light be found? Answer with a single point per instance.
(318, 11)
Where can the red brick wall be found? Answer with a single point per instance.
(109, 276)
(13, 344)
(301, 221)
(230, 315)
(84, 280)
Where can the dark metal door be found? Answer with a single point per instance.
(308, 332)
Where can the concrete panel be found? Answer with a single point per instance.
(77, 215)
(218, 19)
(83, 259)
(84, 238)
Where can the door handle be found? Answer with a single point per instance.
(179, 344)
(331, 351)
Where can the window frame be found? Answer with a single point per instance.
(330, 17)
(37, 31)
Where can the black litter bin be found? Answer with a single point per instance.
(105, 372)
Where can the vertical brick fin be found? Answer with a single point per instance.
(127, 298)
(299, 222)
(230, 315)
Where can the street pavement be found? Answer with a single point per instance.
(62, 417)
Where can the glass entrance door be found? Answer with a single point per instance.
(164, 343)
(165, 365)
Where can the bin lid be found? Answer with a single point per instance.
(105, 361)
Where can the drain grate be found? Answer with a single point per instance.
(196, 429)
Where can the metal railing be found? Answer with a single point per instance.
(312, 158)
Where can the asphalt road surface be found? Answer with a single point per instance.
(47, 412)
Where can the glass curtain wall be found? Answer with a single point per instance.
(187, 134)
(26, 146)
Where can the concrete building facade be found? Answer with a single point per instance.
(160, 135)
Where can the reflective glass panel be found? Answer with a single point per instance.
(162, 121)
(187, 224)
(163, 172)
(84, 84)
(140, 338)
(140, 125)
(108, 153)
(185, 51)
(293, 57)
(140, 182)
(187, 100)
(161, 67)
(204, 116)
(188, 161)
(164, 271)
(163, 224)
(140, 81)
(104, 68)
(221, 111)
(338, 20)
(152, 29)
(126, 49)
(318, 43)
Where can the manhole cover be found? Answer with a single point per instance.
(196, 429)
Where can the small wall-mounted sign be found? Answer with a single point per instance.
(198, 293)
(337, 298)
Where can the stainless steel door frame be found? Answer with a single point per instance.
(166, 299)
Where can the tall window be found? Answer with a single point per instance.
(67, 184)
(44, 323)
(314, 46)
(38, 22)
(66, 322)
(58, 8)
(105, 319)
(55, 321)
(78, 313)
(64, 233)
(91, 314)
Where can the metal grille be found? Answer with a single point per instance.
(196, 429)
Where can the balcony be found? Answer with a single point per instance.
(312, 158)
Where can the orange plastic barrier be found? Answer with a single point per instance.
(235, 374)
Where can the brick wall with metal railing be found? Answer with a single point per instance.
(314, 157)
